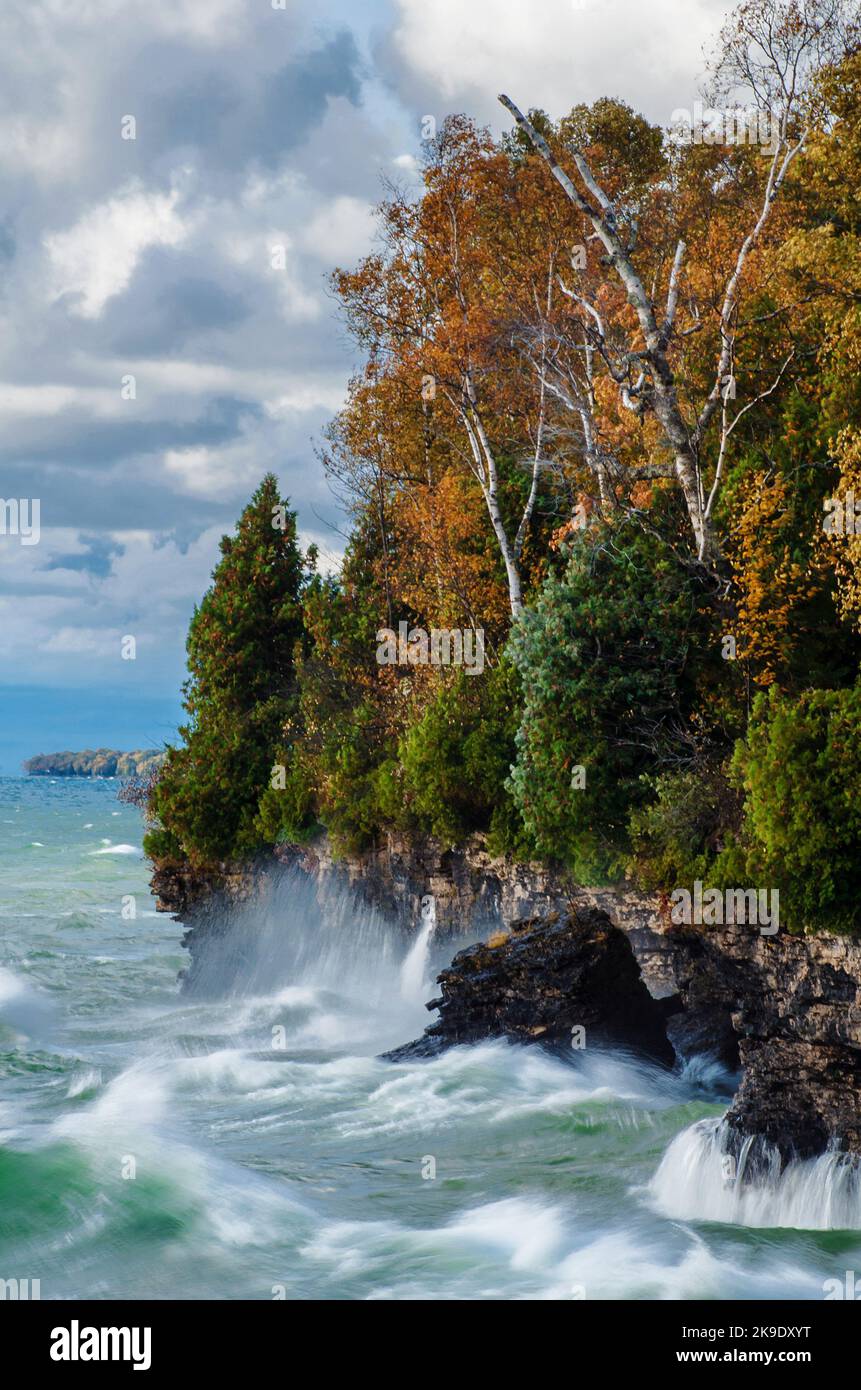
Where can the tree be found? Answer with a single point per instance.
(773, 53)
(605, 657)
(800, 766)
(435, 310)
(454, 761)
(241, 690)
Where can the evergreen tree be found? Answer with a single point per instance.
(605, 657)
(240, 693)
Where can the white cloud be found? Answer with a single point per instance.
(97, 257)
(201, 471)
(555, 53)
(81, 641)
(340, 232)
(208, 20)
(38, 401)
(170, 577)
(272, 254)
(67, 626)
(172, 377)
(44, 147)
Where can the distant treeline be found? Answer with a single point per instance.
(98, 762)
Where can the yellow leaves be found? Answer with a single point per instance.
(497, 939)
(844, 550)
(770, 582)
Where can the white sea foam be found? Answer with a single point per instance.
(819, 1194)
(524, 1247)
(88, 1080)
(414, 981)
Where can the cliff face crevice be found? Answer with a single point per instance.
(786, 1010)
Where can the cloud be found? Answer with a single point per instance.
(66, 621)
(152, 257)
(97, 257)
(459, 56)
(199, 19)
(295, 97)
(341, 231)
(206, 472)
(170, 309)
(94, 557)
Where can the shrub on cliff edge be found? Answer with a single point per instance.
(800, 766)
(604, 656)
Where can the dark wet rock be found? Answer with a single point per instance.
(706, 1032)
(795, 1008)
(541, 981)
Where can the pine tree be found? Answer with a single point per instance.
(240, 693)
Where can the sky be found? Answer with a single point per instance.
(167, 334)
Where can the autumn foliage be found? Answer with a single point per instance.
(609, 383)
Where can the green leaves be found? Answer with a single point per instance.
(800, 767)
(456, 758)
(603, 656)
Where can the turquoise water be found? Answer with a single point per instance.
(249, 1143)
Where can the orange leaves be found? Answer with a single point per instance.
(444, 573)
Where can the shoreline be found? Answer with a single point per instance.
(786, 1008)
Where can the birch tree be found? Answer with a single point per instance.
(770, 54)
(436, 304)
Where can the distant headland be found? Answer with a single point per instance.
(94, 762)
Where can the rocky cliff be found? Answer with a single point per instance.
(786, 1010)
(793, 1005)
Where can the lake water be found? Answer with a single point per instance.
(247, 1142)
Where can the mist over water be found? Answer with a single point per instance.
(273, 1151)
(340, 973)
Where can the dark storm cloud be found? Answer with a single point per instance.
(295, 97)
(263, 120)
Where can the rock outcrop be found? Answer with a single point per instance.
(563, 981)
(793, 1004)
(205, 901)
